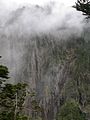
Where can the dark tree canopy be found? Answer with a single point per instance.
(83, 6)
(3, 72)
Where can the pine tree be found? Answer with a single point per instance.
(12, 98)
(83, 6)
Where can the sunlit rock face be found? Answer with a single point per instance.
(31, 46)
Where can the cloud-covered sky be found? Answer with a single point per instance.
(10, 3)
(18, 23)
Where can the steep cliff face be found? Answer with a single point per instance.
(43, 71)
(47, 58)
(57, 71)
(41, 67)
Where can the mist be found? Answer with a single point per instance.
(18, 24)
(32, 36)
(42, 18)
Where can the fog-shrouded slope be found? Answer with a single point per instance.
(32, 46)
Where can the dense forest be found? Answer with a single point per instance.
(53, 81)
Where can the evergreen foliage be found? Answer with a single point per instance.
(83, 6)
(71, 111)
(77, 87)
(12, 99)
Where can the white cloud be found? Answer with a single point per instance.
(12, 3)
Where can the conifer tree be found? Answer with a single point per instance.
(12, 97)
(83, 6)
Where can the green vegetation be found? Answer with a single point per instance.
(12, 99)
(74, 55)
(71, 111)
(78, 85)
